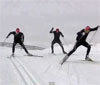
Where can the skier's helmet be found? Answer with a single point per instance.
(87, 28)
(57, 30)
(17, 30)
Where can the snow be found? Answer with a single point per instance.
(35, 18)
(8, 74)
(47, 69)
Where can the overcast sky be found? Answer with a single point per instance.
(35, 18)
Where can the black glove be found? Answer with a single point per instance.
(98, 26)
(7, 37)
(52, 28)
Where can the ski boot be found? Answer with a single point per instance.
(65, 52)
(29, 54)
(52, 52)
(88, 59)
(12, 55)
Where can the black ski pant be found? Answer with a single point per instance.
(59, 42)
(78, 44)
(22, 45)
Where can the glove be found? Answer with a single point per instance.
(98, 26)
(6, 37)
(52, 28)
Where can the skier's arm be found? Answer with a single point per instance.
(94, 29)
(9, 34)
(80, 33)
(22, 38)
(61, 34)
(51, 31)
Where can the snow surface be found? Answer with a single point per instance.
(22, 70)
(35, 18)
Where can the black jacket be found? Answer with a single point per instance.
(17, 37)
(56, 35)
(82, 35)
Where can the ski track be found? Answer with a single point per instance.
(75, 71)
(72, 74)
(24, 73)
(74, 78)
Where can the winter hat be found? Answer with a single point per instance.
(57, 30)
(87, 28)
(17, 30)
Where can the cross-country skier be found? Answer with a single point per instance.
(81, 40)
(18, 38)
(56, 39)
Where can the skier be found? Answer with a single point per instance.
(56, 39)
(18, 38)
(81, 40)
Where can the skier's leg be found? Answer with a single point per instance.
(67, 55)
(88, 49)
(61, 45)
(13, 48)
(52, 46)
(74, 48)
(24, 47)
